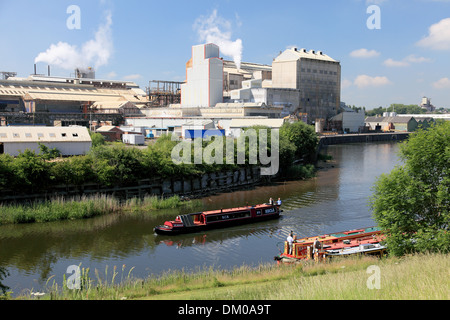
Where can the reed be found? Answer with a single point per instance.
(83, 208)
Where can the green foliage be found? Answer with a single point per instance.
(48, 154)
(97, 139)
(116, 164)
(303, 137)
(398, 108)
(31, 172)
(412, 202)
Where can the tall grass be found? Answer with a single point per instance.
(83, 208)
(418, 277)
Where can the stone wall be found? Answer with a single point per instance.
(191, 187)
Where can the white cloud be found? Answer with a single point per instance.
(406, 62)
(438, 37)
(413, 59)
(217, 30)
(443, 83)
(95, 52)
(346, 83)
(364, 53)
(111, 75)
(363, 81)
(133, 77)
(392, 63)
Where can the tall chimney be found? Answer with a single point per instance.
(49, 71)
(35, 69)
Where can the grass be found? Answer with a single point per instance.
(414, 277)
(84, 208)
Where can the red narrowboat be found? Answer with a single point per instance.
(194, 222)
(361, 241)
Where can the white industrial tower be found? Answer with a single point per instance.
(204, 78)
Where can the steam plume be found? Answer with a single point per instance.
(95, 52)
(215, 29)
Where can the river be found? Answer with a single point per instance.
(336, 200)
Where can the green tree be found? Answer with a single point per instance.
(31, 172)
(412, 202)
(97, 139)
(303, 137)
(6, 171)
(48, 154)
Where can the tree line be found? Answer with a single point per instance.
(117, 164)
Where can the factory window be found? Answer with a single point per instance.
(52, 135)
(3, 135)
(16, 135)
(28, 135)
(309, 70)
(75, 135)
(40, 135)
(64, 135)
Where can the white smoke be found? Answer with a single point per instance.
(217, 30)
(95, 52)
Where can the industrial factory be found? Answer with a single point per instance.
(300, 84)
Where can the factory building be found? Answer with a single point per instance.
(316, 75)
(57, 95)
(70, 141)
(261, 92)
(234, 77)
(204, 78)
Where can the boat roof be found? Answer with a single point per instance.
(338, 235)
(237, 209)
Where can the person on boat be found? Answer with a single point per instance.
(290, 240)
(317, 247)
(279, 202)
(271, 201)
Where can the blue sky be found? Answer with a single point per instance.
(408, 58)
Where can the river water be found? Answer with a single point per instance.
(336, 200)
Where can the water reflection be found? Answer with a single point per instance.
(335, 200)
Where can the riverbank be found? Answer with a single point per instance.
(85, 207)
(413, 277)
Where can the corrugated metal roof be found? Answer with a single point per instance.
(44, 134)
(71, 96)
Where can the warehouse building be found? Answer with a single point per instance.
(392, 123)
(57, 95)
(70, 141)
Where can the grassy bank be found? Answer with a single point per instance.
(422, 277)
(84, 208)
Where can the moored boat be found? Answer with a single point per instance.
(222, 218)
(361, 241)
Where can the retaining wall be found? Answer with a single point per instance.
(191, 187)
